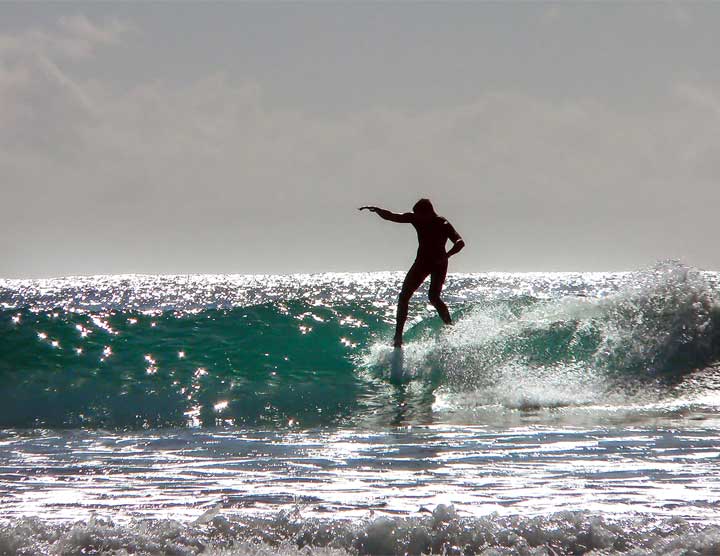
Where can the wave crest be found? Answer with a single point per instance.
(528, 353)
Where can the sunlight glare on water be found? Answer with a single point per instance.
(233, 403)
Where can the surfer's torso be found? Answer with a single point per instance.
(433, 233)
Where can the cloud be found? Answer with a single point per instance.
(42, 105)
(678, 14)
(700, 96)
(73, 37)
(81, 29)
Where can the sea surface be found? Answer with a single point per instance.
(563, 413)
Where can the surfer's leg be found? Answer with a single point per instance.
(437, 279)
(415, 276)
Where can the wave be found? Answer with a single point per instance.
(440, 531)
(527, 353)
(316, 361)
(270, 363)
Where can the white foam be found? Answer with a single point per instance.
(503, 353)
(441, 531)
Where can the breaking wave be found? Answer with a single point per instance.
(304, 356)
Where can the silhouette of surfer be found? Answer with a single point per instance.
(433, 231)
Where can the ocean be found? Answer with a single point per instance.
(563, 413)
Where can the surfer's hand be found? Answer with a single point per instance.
(371, 209)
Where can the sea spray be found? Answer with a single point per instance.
(531, 353)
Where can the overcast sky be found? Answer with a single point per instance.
(240, 138)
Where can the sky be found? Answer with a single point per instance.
(183, 138)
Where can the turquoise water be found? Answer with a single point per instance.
(266, 413)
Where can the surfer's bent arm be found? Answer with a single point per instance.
(458, 244)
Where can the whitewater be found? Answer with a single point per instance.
(563, 413)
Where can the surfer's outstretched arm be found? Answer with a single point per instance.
(404, 218)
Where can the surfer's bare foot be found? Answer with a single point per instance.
(397, 342)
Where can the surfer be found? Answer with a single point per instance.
(433, 231)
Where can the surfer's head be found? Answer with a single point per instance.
(423, 206)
